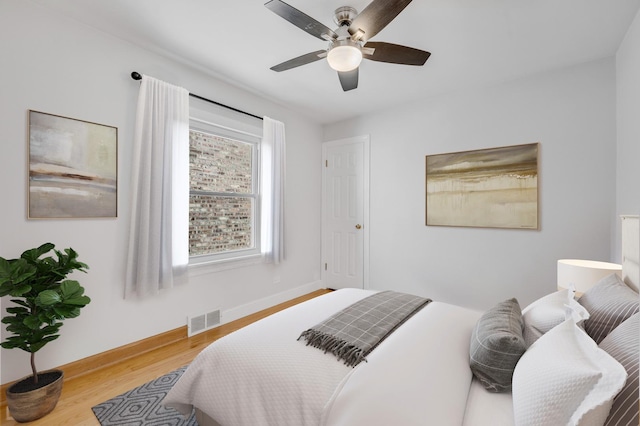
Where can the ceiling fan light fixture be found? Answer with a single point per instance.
(350, 42)
(344, 57)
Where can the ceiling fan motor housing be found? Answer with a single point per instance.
(344, 16)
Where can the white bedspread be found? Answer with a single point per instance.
(261, 375)
(418, 376)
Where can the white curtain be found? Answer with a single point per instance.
(272, 191)
(159, 237)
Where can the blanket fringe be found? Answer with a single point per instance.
(350, 354)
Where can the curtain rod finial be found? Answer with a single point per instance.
(136, 76)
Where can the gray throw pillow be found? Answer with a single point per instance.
(622, 344)
(609, 303)
(497, 345)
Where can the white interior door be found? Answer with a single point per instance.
(345, 213)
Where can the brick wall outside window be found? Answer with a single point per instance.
(219, 223)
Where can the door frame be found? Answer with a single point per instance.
(365, 141)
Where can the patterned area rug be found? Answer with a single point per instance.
(142, 406)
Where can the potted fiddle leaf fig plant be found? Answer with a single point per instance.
(43, 298)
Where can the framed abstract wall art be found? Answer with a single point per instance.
(492, 188)
(73, 169)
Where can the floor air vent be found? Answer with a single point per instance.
(199, 323)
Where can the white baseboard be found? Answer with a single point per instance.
(267, 302)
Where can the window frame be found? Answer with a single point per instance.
(233, 258)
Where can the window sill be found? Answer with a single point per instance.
(202, 268)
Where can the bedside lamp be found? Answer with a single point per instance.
(584, 274)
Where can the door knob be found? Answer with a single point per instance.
(358, 226)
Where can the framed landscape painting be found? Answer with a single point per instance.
(72, 168)
(492, 188)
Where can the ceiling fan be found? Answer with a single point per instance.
(349, 43)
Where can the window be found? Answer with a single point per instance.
(223, 208)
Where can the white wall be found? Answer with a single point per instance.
(55, 65)
(628, 125)
(571, 112)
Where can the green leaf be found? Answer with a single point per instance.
(50, 338)
(35, 347)
(48, 297)
(33, 254)
(23, 275)
(5, 268)
(20, 290)
(9, 344)
(32, 322)
(72, 313)
(47, 316)
(78, 301)
(21, 303)
(51, 329)
(71, 288)
(17, 310)
(66, 311)
(18, 328)
(72, 293)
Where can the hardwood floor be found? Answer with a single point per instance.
(81, 393)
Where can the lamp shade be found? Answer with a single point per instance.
(344, 57)
(584, 274)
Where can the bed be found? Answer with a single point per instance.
(426, 371)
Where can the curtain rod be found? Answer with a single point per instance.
(136, 76)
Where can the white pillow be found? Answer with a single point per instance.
(565, 379)
(547, 312)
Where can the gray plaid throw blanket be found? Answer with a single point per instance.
(355, 331)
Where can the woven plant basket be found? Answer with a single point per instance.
(29, 405)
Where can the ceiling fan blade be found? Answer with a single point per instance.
(301, 20)
(395, 54)
(348, 79)
(300, 60)
(375, 17)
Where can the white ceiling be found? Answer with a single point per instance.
(472, 43)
